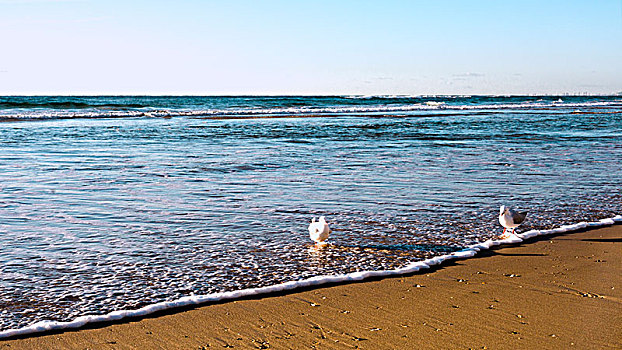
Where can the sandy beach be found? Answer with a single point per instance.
(556, 292)
(162, 164)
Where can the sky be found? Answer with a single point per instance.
(91, 47)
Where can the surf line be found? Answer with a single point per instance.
(196, 300)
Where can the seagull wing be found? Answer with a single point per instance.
(518, 218)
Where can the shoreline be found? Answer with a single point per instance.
(193, 301)
(208, 325)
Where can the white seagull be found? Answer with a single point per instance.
(318, 231)
(510, 219)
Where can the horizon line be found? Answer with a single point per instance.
(569, 94)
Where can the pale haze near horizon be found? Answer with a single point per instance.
(314, 47)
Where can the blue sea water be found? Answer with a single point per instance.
(111, 203)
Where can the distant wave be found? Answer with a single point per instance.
(66, 105)
(67, 110)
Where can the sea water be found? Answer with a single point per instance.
(118, 203)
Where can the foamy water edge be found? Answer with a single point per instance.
(195, 300)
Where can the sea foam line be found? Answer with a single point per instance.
(467, 252)
(430, 106)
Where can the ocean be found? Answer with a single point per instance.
(112, 203)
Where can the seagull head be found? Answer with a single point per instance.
(502, 210)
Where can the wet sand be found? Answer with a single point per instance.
(559, 292)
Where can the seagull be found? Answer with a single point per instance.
(510, 219)
(318, 231)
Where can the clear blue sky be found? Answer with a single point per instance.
(310, 47)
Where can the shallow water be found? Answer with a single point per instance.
(102, 214)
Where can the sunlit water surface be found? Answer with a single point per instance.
(101, 214)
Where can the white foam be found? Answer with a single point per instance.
(470, 251)
(19, 114)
